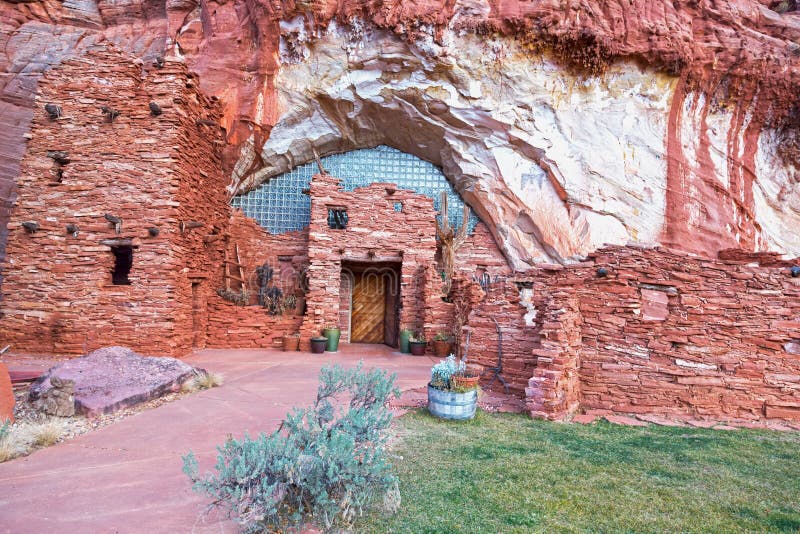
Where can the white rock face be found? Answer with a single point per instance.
(557, 165)
(777, 196)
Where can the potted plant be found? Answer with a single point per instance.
(448, 397)
(442, 346)
(405, 336)
(291, 342)
(318, 344)
(417, 344)
(332, 332)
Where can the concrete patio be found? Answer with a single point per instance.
(127, 477)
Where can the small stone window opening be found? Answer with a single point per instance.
(60, 159)
(398, 206)
(123, 261)
(337, 218)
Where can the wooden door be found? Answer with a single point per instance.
(368, 309)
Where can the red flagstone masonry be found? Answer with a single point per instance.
(375, 233)
(725, 347)
(150, 171)
(233, 326)
(664, 334)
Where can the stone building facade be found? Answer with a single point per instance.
(123, 233)
(106, 240)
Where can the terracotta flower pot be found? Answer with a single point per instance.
(291, 343)
(465, 382)
(417, 347)
(442, 349)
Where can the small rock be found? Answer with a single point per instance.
(624, 420)
(59, 399)
(584, 419)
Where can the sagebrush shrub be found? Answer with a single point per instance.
(324, 465)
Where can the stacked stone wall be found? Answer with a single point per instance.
(108, 154)
(252, 326)
(670, 334)
(385, 225)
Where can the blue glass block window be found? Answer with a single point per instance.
(279, 204)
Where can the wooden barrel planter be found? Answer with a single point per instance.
(450, 405)
(442, 348)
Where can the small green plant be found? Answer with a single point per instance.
(461, 388)
(278, 304)
(325, 464)
(418, 337)
(442, 336)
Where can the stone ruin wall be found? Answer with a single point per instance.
(669, 334)
(252, 326)
(151, 171)
(201, 198)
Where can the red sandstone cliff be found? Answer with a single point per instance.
(740, 53)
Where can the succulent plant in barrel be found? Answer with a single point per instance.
(452, 393)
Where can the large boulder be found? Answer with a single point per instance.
(107, 380)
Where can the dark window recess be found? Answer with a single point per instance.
(337, 218)
(123, 261)
(60, 160)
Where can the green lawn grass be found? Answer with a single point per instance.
(508, 473)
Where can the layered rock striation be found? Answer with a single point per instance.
(564, 124)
